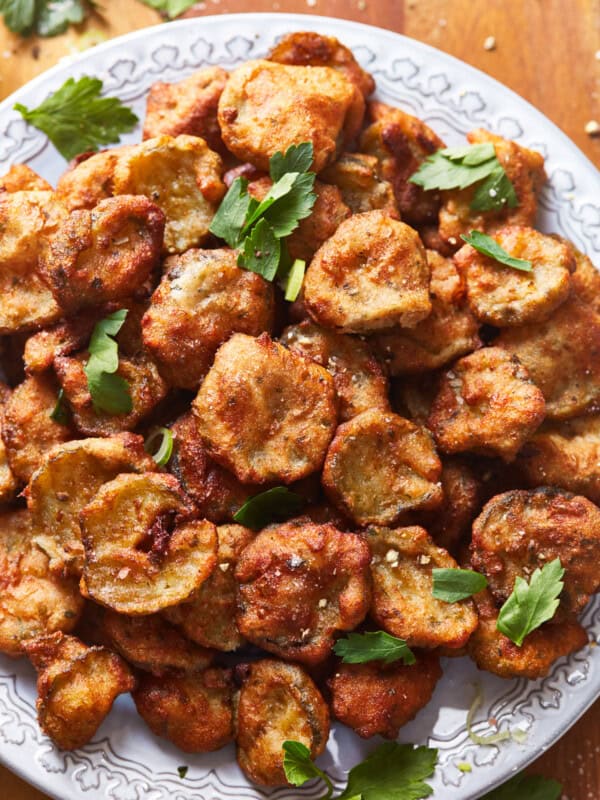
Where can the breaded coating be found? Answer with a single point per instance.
(585, 281)
(450, 331)
(486, 403)
(358, 377)
(187, 106)
(265, 413)
(89, 179)
(519, 531)
(21, 178)
(565, 454)
(209, 619)
(67, 479)
(103, 254)
(300, 584)
(150, 643)
(525, 170)
(8, 480)
(380, 465)
(27, 219)
(143, 550)
(504, 296)
(62, 339)
(194, 710)
(372, 273)
(401, 143)
(182, 175)
(146, 387)
(562, 357)
(33, 601)
(402, 564)
(277, 702)
(217, 494)
(356, 175)
(267, 107)
(378, 699)
(309, 49)
(27, 428)
(412, 395)
(494, 652)
(202, 299)
(76, 686)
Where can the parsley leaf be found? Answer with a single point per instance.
(170, 8)
(76, 119)
(230, 218)
(358, 648)
(459, 167)
(277, 504)
(165, 449)
(452, 585)
(60, 412)
(44, 17)
(297, 204)
(392, 772)
(490, 247)
(299, 768)
(533, 603)
(293, 282)
(298, 158)
(262, 251)
(533, 787)
(109, 392)
(183, 771)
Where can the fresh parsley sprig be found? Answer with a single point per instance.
(60, 411)
(531, 604)
(391, 772)
(454, 585)
(76, 119)
(533, 787)
(109, 392)
(170, 8)
(44, 17)
(459, 167)
(274, 505)
(359, 648)
(258, 230)
(489, 247)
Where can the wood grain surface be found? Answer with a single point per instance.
(546, 50)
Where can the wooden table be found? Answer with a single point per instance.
(546, 50)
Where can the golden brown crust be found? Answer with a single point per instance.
(21, 178)
(372, 273)
(67, 479)
(378, 699)
(486, 403)
(450, 330)
(562, 357)
(309, 49)
(27, 428)
(300, 584)
(89, 179)
(356, 176)
(504, 296)
(8, 481)
(277, 702)
(209, 618)
(103, 254)
(33, 601)
(495, 653)
(61, 339)
(187, 106)
(585, 281)
(264, 412)
(77, 686)
(267, 107)
(401, 142)
(520, 531)
(380, 465)
(143, 552)
(403, 605)
(182, 176)
(201, 300)
(359, 379)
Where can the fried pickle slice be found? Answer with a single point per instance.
(357, 177)
(21, 178)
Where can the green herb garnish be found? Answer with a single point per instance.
(299, 768)
(109, 392)
(453, 585)
(43, 17)
(60, 412)
(490, 247)
(76, 119)
(531, 604)
(532, 787)
(163, 453)
(294, 280)
(459, 167)
(183, 771)
(170, 8)
(274, 505)
(358, 648)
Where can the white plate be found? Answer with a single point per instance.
(124, 761)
